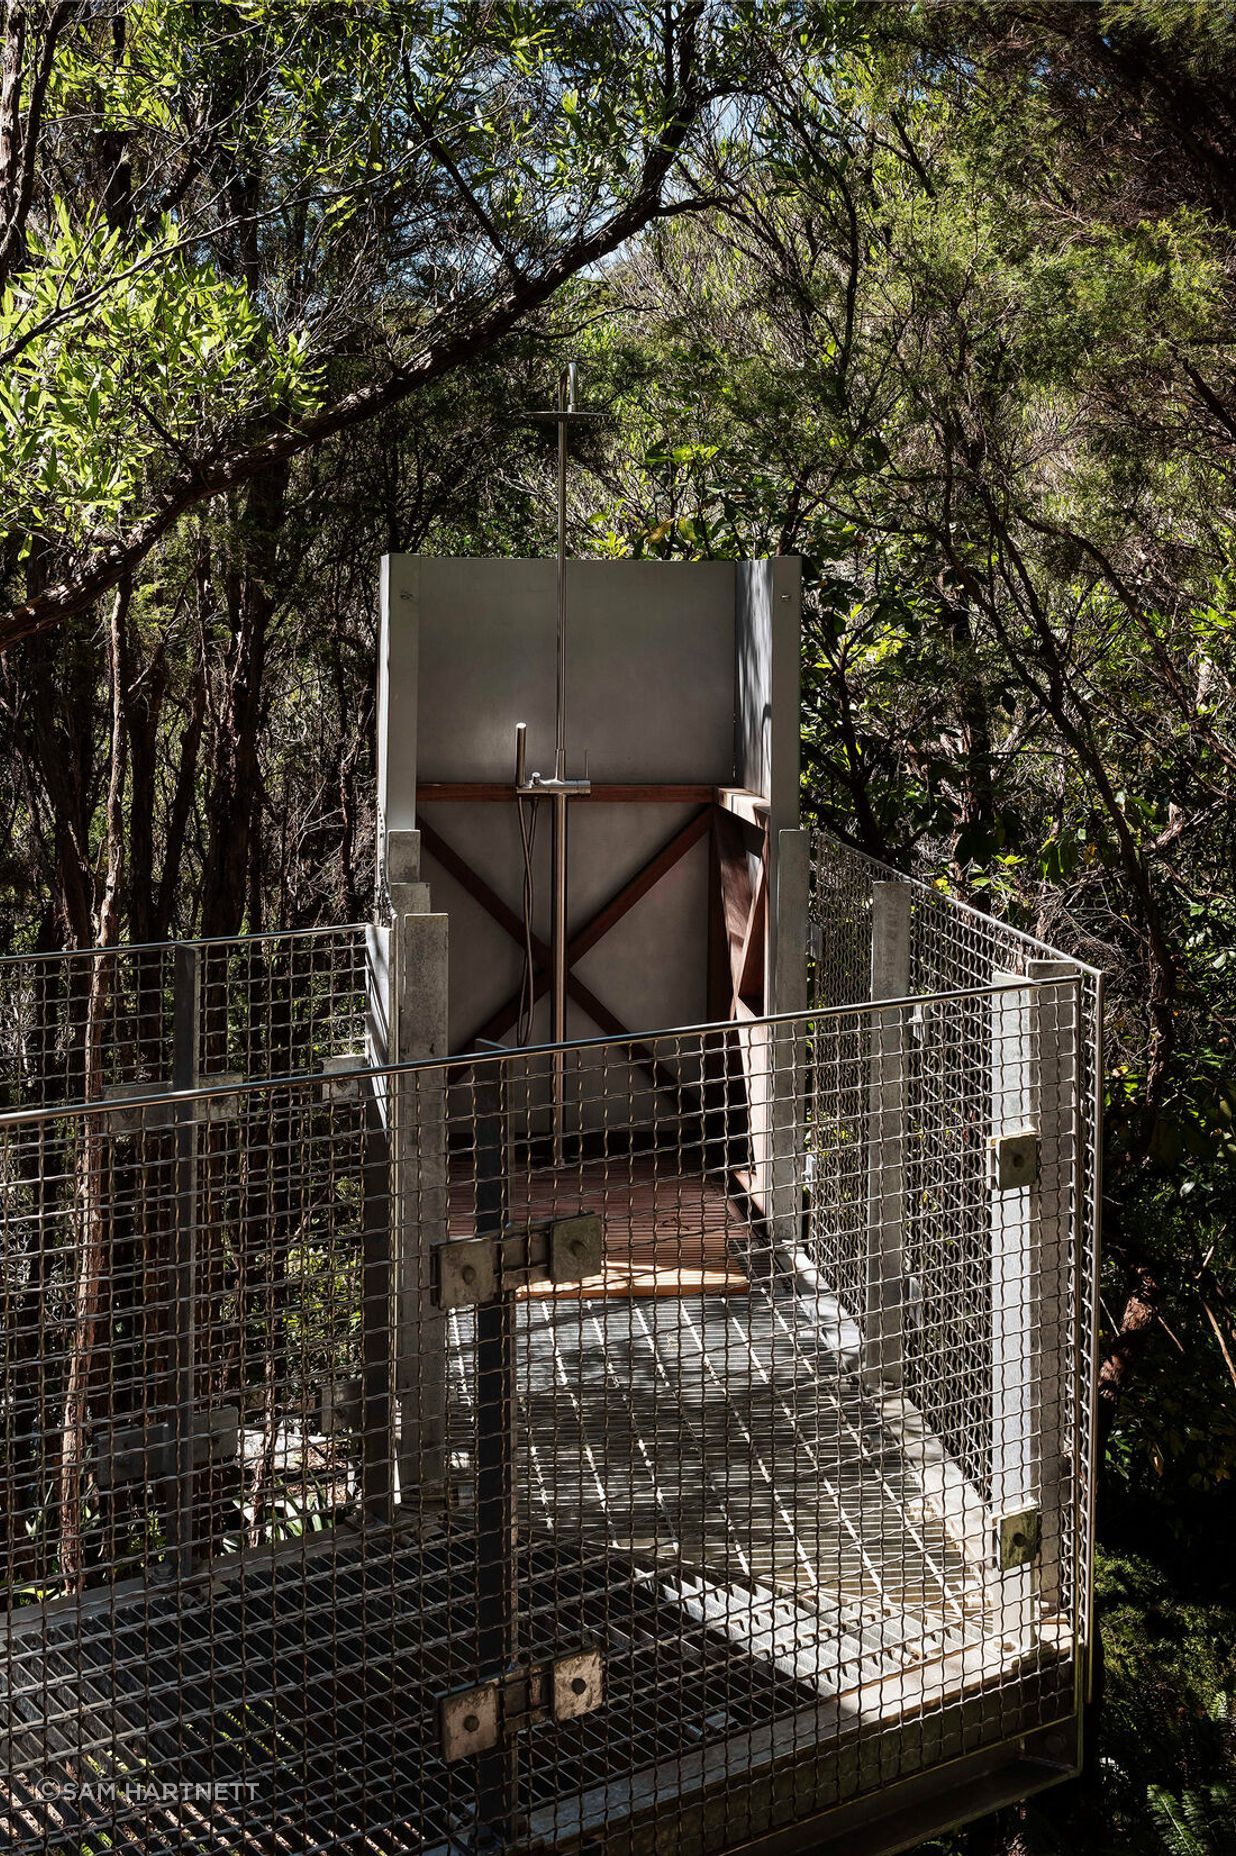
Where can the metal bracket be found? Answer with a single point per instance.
(338, 1085)
(474, 1720)
(576, 1248)
(578, 1685)
(339, 1406)
(1014, 1159)
(473, 1270)
(1018, 1538)
(151, 1452)
(132, 1116)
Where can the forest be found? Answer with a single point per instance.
(939, 297)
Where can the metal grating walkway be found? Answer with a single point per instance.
(723, 1606)
(656, 1430)
(798, 1470)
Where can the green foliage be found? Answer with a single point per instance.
(172, 353)
(955, 324)
(241, 211)
(1169, 1722)
(1198, 1823)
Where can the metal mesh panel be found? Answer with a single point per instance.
(950, 1101)
(379, 1474)
(46, 1003)
(266, 1005)
(279, 1004)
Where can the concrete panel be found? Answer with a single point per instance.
(767, 644)
(648, 969)
(398, 678)
(660, 655)
(767, 647)
(650, 668)
(753, 676)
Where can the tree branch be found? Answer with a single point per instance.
(205, 477)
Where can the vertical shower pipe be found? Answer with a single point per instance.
(558, 937)
(559, 788)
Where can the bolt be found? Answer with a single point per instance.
(578, 1248)
(1019, 1541)
(471, 1723)
(578, 1686)
(468, 1273)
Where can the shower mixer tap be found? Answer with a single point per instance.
(540, 785)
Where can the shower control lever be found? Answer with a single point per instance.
(540, 787)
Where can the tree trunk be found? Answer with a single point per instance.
(233, 807)
(91, 1285)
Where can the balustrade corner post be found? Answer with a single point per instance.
(787, 1056)
(419, 1196)
(186, 1064)
(497, 1532)
(1055, 1082)
(883, 1349)
(1035, 1071)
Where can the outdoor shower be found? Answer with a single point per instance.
(559, 788)
(377, 1475)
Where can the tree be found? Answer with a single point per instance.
(964, 338)
(294, 218)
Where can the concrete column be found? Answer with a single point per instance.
(1012, 1225)
(788, 1043)
(884, 1305)
(1054, 1085)
(399, 637)
(1035, 1068)
(186, 1061)
(410, 1002)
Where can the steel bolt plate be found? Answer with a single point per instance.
(576, 1248)
(1018, 1537)
(467, 1272)
(578, 1685)
(1015, 1159)
(471, 1721)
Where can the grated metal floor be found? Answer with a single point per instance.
(729, 1435)
(308, 1684)
(724, 1604)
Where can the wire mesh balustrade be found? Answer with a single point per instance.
(961, 1079)
(373, 1478)
(261, 1005)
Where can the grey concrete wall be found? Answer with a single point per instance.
(469, 651)
(767, 723)
(398, 647)
(766, 655)
(649, 969)
(676, 672)
(650, 677)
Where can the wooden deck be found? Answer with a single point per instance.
(666, 1234)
